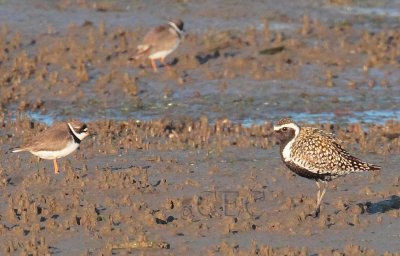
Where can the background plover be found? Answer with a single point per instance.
(160, 41)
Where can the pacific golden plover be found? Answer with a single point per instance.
(315, 154)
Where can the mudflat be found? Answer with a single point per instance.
(184, 161)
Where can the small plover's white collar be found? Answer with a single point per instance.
(175, 27)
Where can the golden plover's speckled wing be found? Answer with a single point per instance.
(321, 153)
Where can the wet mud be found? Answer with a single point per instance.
(188, 186)
(184, 161)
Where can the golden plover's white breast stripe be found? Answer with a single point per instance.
(286, 153)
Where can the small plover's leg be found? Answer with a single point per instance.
(56, 171)
(154, 65)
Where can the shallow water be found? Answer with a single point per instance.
(373, 11)
(366, 117)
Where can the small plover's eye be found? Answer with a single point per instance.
(284, 129)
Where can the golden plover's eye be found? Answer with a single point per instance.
(284, 129)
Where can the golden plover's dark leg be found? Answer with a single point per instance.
(320, 196)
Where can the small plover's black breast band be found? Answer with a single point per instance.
(76, 139)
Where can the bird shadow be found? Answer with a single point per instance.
(392, 203)
(204, 58)
(122, 168)
(173, 62)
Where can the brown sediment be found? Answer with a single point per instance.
(223, 182)
(62, 64)
(194, 179)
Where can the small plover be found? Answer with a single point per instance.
(314, 154)
(57, 141)
(160, 41)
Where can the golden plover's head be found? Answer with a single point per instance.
(286, 130)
